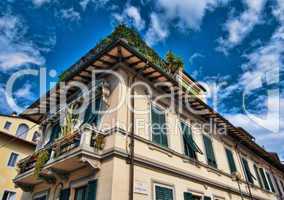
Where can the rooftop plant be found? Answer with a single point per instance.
(135, 40)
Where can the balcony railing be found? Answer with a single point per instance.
(62, 146)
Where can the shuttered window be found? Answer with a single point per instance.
(55, 132)
(270, 182)
(209, 151)
(190, 147)
(207, 198)
(187, 196)
(159, 131)
(264, 179)
(248, 174)
(257, 176)
(163, 193)
(231, 161)
(64, 194)
(92, 115)
(277, 186)
(92, 190)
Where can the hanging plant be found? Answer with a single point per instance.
(174, 62)
(42, 158)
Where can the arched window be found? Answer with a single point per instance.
(22, 131)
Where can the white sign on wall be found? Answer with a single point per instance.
(141, 187)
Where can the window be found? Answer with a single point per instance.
(270, 182)
(7, 125)
(13, 159)
(277, 186)
(248, 174)
(190, 196)
(36, 137)
(64, 194)
(92, 115)
(163, 192)
(256, 171)
(190, 147)
(55, 131)
(87, 192)
(159, 131)
(8, 195)
(22, 131)
(266, 186)
(231, 161)
(209, 151)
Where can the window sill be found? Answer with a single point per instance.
(160, 149)
(213, 170)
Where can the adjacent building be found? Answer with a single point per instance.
(17, 140)
(160, 150)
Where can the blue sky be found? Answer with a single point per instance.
(228, 43)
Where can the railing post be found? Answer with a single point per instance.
(85, 139)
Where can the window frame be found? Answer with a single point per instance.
(41, 194)
(10, 157)
(7, 123)
(164, 186)
(232, 152)
(182, 139)
(164, 110)
(22, 135)
(213, 150)
(245, 173)
(9, 192)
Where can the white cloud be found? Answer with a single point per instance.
(131, 15)
(97, 3)
(157, 31)
(194, 56)
(239, 27)
(15, 50)
(39, 3)
(181, 14)
(25, 92)
(70, 14)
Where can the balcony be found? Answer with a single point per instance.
(60, 159)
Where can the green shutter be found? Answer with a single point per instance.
(264, 179)
(207, 198)
(64, 194)
(258, 176)
(231, 161)
(270, 182)
(163, 193)
(159, 131)
(54, 132)
(209, 151)
(247, 171)
(188, 196)
(92, 117)
(92, 190)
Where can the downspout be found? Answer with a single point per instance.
(131, 145)
(237, 149)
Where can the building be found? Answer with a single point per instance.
(17, 140)
(120, 154)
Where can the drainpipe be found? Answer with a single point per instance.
(131, 145)
(237, 149)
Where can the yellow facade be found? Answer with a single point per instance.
(11, 143)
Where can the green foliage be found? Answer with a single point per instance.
(174, 62)
(135, 40)
(69, 122)
(42, 158)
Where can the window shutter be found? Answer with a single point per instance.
(258, 176)
(270, 182)
(159, 134)
(54, 132)
(247, 171)
(64, 194)
(264, 179)
(277, 186)
(231, 161)
(163, 193)
(90, 116)
(92, 190)
(209, 151)
(207, 198)
(187, 196)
